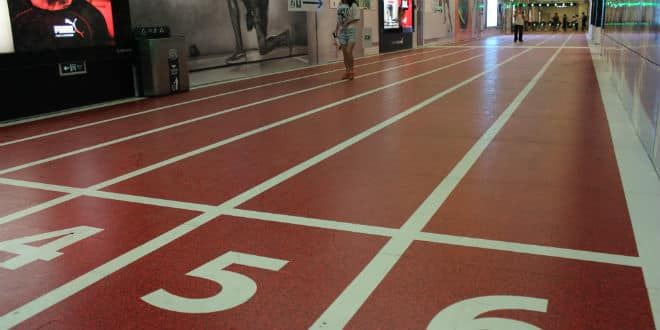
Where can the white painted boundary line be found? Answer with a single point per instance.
(220, 83)
(109, 195)
(319, 65)
(524, 248)
(532, 249)
(342, 310)
(99, 186)
(46, 301)
(511, 46)
(10, 123)
(196, 100)
(105, 104)
(220, 113)
(643, 207)
(488, 244)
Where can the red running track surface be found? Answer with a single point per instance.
(447, 184)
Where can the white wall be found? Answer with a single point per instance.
(436, 23)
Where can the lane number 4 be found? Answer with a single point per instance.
(26, 254)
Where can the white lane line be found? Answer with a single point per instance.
(38, 185)
(107, 183)
(57, 295)
(488, 244)
(219, 83)
(216, 114)
(514, 47)
(145, 200)
(10, 123)
(532, 249)
(342, 310)
(524, 248)
(105, 104)
(279, 82)
(635, 168)
(315, 223)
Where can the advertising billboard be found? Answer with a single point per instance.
(398, 15)
(40, 25)
(6, 39)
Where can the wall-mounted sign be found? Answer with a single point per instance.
(363, 4)
(72, 68)
(305, 5)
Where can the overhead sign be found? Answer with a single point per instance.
(305, 5)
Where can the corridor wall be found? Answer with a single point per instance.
(630, 46)
(438, 20)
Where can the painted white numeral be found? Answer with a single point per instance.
(463, 314)
(27, 254)
(236, 288)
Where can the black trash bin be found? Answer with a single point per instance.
(162, 62)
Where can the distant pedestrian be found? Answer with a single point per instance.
(555, 22)
(585, 20)
(518, 26)
(348, 13)
(564, 23)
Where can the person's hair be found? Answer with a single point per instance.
(350, 2)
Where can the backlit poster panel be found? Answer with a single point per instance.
(6, 40)
(397, 14)
(39, 25)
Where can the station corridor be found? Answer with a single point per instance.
(476, 185)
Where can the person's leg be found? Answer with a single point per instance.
(349, 58)
(345, 55)
(234, 15)
(520, 36)
(515, 33)
(266, 43)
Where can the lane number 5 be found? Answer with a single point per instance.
(236, 288)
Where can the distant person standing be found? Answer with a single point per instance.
(585, 19)
(564, 23)
(574, 22)
(518, 26)
(555, 22)
(348, 13)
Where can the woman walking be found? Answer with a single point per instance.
(348, 14)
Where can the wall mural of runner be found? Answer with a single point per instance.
(229, 31)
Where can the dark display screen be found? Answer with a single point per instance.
(398, 15)
(39, 25)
